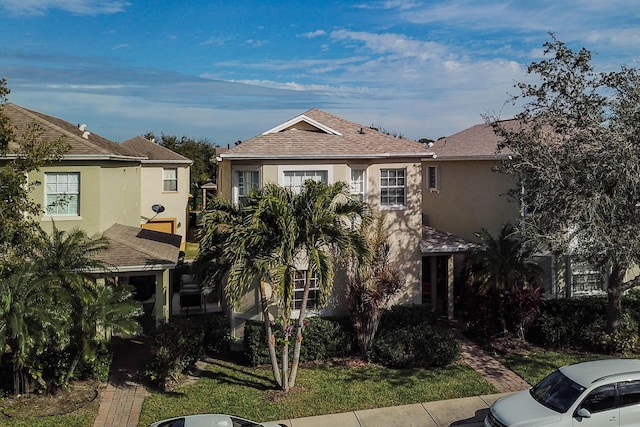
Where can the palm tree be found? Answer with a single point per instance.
(68, 259)
(503, 264)
(329, 222)
(267, 237)
(28, 318)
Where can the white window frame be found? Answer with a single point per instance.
(393, 186)
(239, 193)
(433, 184)
(298, 289)
(358, 183)
(169, 180)
(283, 169)
(62, 197)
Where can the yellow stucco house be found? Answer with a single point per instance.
(105, 190)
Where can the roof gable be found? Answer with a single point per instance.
(297, 123)
(317, 134)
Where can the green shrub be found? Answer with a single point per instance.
(98, 366)
(179, 344)
(323, 339)
(421, 345)
(623, 340)
(400, 316)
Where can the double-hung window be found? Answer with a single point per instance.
(298, 283)
(358, 183)
(62, 193)
(393, 192)
(170, 180)
(294, 180)
(246, 182)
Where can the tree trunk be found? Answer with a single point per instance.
(614, 294)
(298, 344)
(271, 342)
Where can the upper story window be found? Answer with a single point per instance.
(170, 180)
(246, 182)
(62, 193)
(433, 179)
(358, 183)
(294, 180)
(298, 282)
(393, 187)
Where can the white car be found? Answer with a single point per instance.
(210, 420)
(597, 393)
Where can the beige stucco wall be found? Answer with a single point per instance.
(404, 223)
(471, 196)
(109, 193)
(175, 202)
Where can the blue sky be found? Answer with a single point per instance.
(228, 70)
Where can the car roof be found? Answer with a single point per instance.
(586, 373)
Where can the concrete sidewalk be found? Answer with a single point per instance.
(465, 412)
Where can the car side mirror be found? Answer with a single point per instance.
(583, 413)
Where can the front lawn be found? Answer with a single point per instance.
(534, 365)
(323, 389)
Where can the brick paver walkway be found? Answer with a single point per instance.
(494, 372)
(121, 403)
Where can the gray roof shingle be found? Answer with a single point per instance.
(476, 142)
(133, 248)
(93, 146)
(302, 139)
(153, 152)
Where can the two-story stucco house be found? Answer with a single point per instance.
(164, 180)
(382, 170)
(99, 186)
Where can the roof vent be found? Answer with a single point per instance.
(82, 127)
(86, 134)
(361, 131)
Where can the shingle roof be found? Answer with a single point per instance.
(153, 152)
(93, 146)
(132, 248)
(317, 134)
(441, 242)
(476, 142)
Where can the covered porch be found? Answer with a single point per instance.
(442, 257)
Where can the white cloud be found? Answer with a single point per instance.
(80, 7)
(314, 34)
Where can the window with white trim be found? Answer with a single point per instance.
(170, 180)
(393, 187)
(294, 180)
(298, 283)
(62, 193)
(358, 183)
(247, 181)
(433, 179)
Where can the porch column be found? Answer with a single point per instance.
(450, 294)
(434, 287)
(163, 297)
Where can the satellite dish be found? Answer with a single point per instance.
(157, 208)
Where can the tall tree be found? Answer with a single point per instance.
(576, 148)
(20, 154)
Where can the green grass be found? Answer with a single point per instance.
(191, 250)
(535, 365)
(248, 392)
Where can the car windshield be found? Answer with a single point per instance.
(557, 392)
